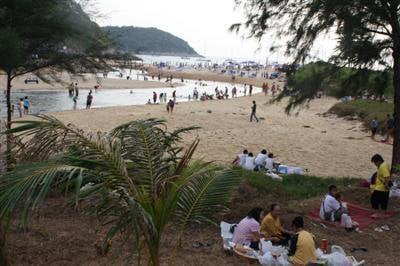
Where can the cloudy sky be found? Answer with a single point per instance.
(202, 23)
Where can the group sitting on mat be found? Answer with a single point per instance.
(256, 227)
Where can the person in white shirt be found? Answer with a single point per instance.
(249, 164)
(240, 160)
(332, 210)
(269, 162)
(260, 159)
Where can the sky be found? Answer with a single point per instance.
(202, 23)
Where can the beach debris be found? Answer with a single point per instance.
(261, 118)
(323, 225)
(385, 227)
(324, 131)
(305, 126)
(378, 229)
(209, 111)
(359, 250)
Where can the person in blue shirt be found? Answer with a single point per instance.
(26, 105)
(374, 127)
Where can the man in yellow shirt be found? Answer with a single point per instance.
(380, 195)
(302, 245)
(271, 227)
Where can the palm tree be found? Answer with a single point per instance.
(137, 177)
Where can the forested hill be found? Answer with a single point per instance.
(149, 41)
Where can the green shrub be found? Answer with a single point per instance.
(294, 186)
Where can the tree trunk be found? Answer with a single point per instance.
(396, 86)
(3, 254)
(7, 160)
(8, 123)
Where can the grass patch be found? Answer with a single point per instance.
(294, 187)
(366, 111)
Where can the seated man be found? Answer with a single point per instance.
(271, 227)
(269, 162)
(302, 245)
(332, 210)
(260, 160)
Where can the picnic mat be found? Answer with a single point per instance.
(357, 213)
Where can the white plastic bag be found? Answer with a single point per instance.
(336, 259)
(266, 246)
(268, 260)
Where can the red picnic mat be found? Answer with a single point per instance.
(357, 213)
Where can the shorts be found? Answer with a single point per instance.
(380, 199)
(374, 130)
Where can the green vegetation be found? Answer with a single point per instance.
(136, 179)
(148, 41)
(364, 109)
(294, 187)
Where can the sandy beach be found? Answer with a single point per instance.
(325, 146)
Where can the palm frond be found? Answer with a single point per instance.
(29, 184)
(204, 193)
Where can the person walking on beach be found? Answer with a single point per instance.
(174, 95)
(75, 99)
(374, 127)
(26, 105)
(253, 112)
(245, 90)
(170, 106)
(250, 90)
(154, 97)
(89, 100)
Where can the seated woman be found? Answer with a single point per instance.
(271, 227)
(247, 232)
(302, 245)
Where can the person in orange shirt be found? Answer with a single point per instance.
(272, 229)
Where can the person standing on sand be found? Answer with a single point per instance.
(26, 105)
(390, 127)
(253, 112)
(170, 106)
(20, 106)
(250, 89)
(154, 97)
(374, 127)
(245, 90)
(380, 195)
(89, 100)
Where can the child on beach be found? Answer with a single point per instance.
(20, 106)
(374, 127)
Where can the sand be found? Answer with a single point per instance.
(325, 146)
(86, 82)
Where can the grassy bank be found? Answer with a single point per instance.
(294, 187)
(365, 110)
